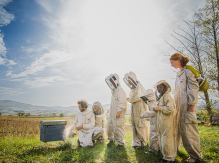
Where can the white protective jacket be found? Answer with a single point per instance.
(166, 130)
(100, 120)
(185, 94)
(150, 95)
(87, 119)
(115, 126)
(140, 127)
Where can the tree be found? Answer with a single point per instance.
(193, 45)
(53, 114)
(208, 21)
(20, 114)
(27, 114)
(61, 115)
(0, 113)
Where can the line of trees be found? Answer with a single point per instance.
(201, 43)
(20, 114)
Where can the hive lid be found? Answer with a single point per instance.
(45, 123)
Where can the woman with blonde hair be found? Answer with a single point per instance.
(186, 99)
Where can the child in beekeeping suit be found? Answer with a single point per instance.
(150, 100)
(166, 121)
(100, 119)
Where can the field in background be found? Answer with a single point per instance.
(26, 126)
(20, 143)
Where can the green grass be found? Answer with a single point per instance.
(20, 149)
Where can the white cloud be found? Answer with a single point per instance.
(43, 81)
(88, 40)
(5, 19)
(10, 91)
(49, 59)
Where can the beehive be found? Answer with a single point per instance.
(52, 130)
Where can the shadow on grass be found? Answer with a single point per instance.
(67, 152)
(141, 156)
(115, 154)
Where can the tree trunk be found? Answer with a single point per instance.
(208, 105)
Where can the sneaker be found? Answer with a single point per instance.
(93, 141)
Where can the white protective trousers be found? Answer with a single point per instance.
(165, 123)
(88, 132)
(185, 94)
(140, 127)
(152, 115)
(100, 121)
(115, 126)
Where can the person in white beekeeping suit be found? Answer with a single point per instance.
(165, 121)
(186, 100)
(140, 127)
(118, 107)
(150, 99)
(100, 119)
(84, 123)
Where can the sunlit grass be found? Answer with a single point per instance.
(30, 149)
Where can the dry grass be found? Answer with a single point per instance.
(22, 127)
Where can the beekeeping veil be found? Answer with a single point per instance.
(149, 95)
(168, 89)
(112, 81)
(131, 80)
(97, 108)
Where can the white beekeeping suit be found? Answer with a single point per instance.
(100, 118)
(115, 126)
(140, 126)
(87, 120)
(151, 102)
(185, 94)
(165, 124)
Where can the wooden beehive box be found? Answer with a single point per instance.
(52, 130)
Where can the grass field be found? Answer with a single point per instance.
(26, 147)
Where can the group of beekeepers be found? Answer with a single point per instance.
(154, 116)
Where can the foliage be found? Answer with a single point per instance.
(20, 114)
(27, 114)
(207, 19)
(53, 114)
(61, 115)
(0, 113)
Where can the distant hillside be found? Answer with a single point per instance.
(8, 107)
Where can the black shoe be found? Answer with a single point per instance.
(93, 141)
(110, 143)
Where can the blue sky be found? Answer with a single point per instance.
(55, 52)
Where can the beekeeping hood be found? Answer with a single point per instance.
(97, 108)
(159, 83)
(131, 80)
(150, 95)
(112, 81)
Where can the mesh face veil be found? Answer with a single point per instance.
(111, 81)
(167, 89)
(97, 108)
(131, 83)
